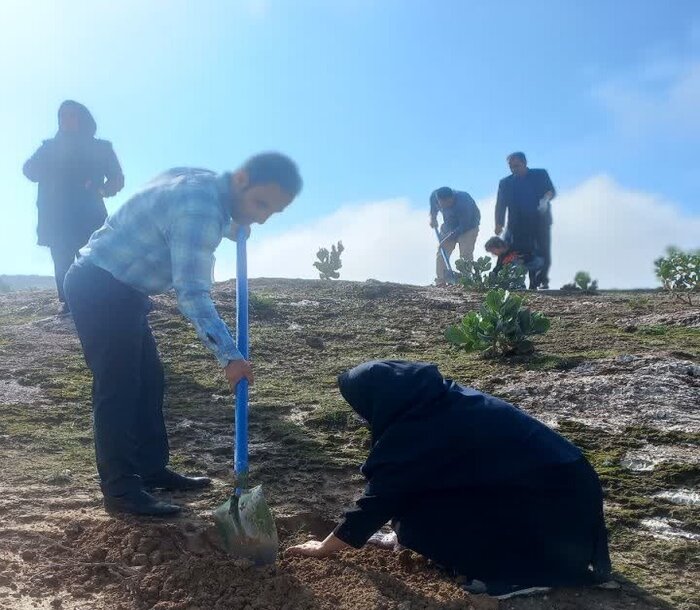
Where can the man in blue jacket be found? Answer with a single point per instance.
(461, 218)
(526, 195)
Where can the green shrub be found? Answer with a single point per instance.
(639, 304)
(328, 263)
(654, 330)
(477, 275)
(582, 282)
(679, 273)
(261, 305)
(500, 327)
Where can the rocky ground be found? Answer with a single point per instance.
(618, 373)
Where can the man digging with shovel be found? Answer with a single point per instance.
(461, 218)
(163, 237)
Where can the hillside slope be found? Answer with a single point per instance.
(9, 283)
(619, 374)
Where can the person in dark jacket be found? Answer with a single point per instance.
(471, 482)
(75, 171)
(461, 219)
(526, 195)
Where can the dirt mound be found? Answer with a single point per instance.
(364, 579)
(179, 566)
(94, 557)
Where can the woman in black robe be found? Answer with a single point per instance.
(75, 171)
(471, 482)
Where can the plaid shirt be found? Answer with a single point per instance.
(164, 237)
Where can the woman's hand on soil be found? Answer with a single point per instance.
(312, 548)
(315, 548)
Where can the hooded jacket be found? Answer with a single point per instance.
(71, 169)
(430, 433)
(472, 482)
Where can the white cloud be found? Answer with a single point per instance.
(616, 233)
(662, 97)
(601, 227)
(386, 240)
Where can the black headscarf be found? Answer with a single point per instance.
(86, 123)
(385, 392)
(429, 433)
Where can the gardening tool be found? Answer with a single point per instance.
(450, 275)
(245, 522)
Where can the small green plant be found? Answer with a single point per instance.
(261, 305)
(654, 330)
(477, 275)
(639, 304)
(510, 277)
(474, 275)
(501, 327)
(328, 263)
(679, 273)
(582, 282)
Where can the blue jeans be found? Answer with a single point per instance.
(128, 380)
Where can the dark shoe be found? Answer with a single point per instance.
(172, 481)
(140, 503)
(544, 285)
(64, 310)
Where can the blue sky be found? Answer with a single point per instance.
(375, 100)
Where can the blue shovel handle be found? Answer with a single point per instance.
(240, 453)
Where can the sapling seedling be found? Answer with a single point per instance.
(329, 263)
(501, 327)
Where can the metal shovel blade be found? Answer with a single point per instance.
(247, 528)
(450, 274)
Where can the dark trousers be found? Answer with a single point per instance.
(63, 257)
(534, 271)
(543, 241)
(128, 381)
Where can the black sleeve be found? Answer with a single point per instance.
(370, 513)
(501, 203)
(37, 166)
